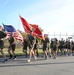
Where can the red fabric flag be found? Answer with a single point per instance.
(31, 28)
(18, 36)
(26, 25)
(36, 31)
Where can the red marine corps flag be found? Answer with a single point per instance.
(37, 30)
(31, 28)
(26, 25)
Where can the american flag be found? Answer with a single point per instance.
(10, 29)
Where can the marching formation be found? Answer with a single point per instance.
(50, 47)
(32, 42)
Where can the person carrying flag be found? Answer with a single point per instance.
(12, 47)
(2, 36)
(31, 43)
(12, 33)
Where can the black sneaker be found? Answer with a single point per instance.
(10, 57)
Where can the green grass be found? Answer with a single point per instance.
(18, 52)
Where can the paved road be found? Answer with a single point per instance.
(61, 66)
